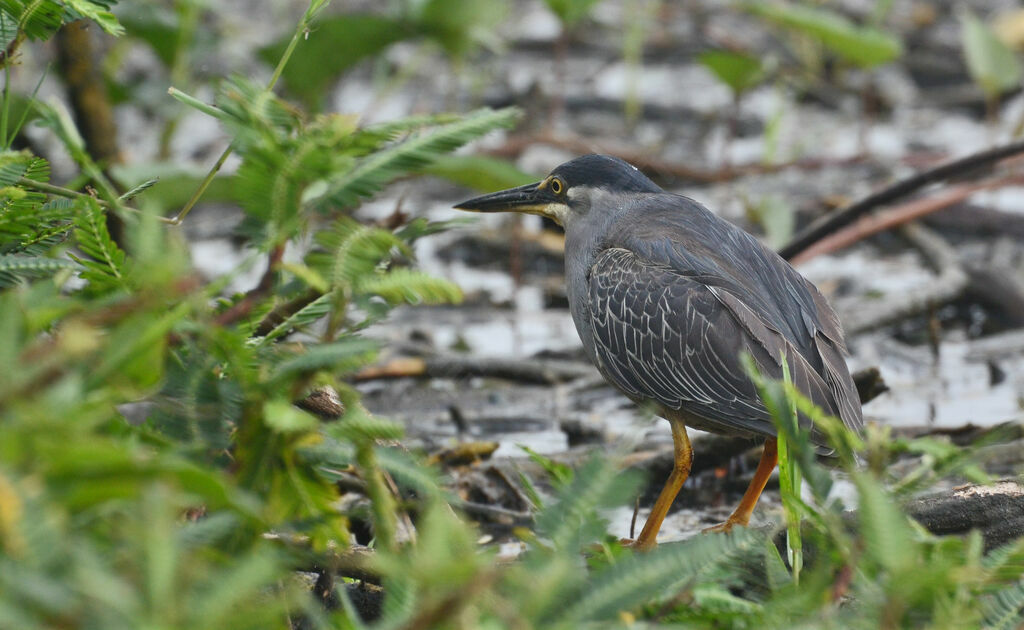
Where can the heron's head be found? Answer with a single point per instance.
(572, 190)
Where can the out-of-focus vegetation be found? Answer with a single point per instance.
(201, 514)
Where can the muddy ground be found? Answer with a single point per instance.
(938, 309)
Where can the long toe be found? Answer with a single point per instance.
(638, 545)
(722, 527)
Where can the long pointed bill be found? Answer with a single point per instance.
(528, 199)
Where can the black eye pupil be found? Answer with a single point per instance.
(556, 186)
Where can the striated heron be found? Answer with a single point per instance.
(666, 297)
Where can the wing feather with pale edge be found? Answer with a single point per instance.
(664, 336)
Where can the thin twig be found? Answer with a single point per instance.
(494, 513)
(845, 216)
(300, 32)
(244, 306)
(282, 312)
(543, 371)
(870, 225)
(202, 186)
(67, 193)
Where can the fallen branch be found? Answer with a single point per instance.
(900, 215)
(999, 346)
(999, 290)
(544, 371)
(870, 384)
(494, 514)
(997, 511)
(969, 219)
(845, 216)
(281, 312)
(241, 309)
(968, 434)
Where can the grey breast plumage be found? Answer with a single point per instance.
(671, 313)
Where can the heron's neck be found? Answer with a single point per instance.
(584, 239)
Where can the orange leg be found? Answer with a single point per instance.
(680, 471)
(741, 516)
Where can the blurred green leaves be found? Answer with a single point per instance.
(570, 12)
(864, 46)
(737, 70)
(479, 172)
(37, 20)
(339, 42)
(153, 448)
(97, 12)
(776, 218)
(991, 63)
(291, 163)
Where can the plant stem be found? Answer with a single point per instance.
(381, 502)
(789, 487)
(300, 32)
(6, 105)
(67, 193)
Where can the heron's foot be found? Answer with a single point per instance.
(638, 545)
(724, 527)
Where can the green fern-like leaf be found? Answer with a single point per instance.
(20, 215)
(269, 188)
(97, 12)
(340, 356)
(305, 316)
(38, 20)
(1003, 603)
(368, 139)
(352, 251)
(37, 169)
(105, 261)
(255, 115)
(1006, 562)
(138, 190)
(373, 172)
(888, 537)
(411, 287)
(627, 584)
(14, 268)
(1004, 609)
(39, 242)
(573, 520)
(11, 168)
(358, 425)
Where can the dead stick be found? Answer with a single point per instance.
(868, 226)
(841, 218)
(523, 370)
(243, 307)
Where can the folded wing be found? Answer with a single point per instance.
(676, 339)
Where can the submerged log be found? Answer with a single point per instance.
(997, 511)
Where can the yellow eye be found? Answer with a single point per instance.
(557, 186)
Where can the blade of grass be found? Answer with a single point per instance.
(28, 108)
(789, 485)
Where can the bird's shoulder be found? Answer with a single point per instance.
(678, 338)
(681, 236)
